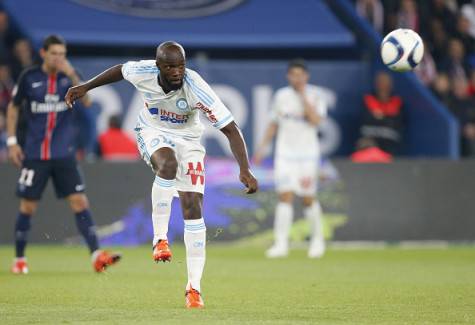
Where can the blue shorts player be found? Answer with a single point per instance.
(48, 150)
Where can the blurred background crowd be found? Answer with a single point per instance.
(16, 53)
(448, 68)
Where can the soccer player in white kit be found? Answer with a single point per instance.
(296, 112)
(168, 135)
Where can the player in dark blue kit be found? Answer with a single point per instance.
(48, 150)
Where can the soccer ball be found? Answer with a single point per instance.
(402, 50)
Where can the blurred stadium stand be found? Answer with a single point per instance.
(222, 39)
(431, 131)
(263, 23)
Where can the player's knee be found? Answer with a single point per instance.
(28, 207)
(164, 163)
(167, 168)
(78, 202)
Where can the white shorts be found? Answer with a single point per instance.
(297, 176)
(190, 176)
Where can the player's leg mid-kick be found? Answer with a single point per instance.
(165, 166)
(195, 244)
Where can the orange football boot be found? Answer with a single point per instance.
(161, 251)
(20, 266)
(193, 299)
(102, 259)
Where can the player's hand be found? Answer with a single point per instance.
(66, 67)
(75, 93)
(15, 154)
(249, 181)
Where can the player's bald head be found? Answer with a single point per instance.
(170, 51)
(171, 63)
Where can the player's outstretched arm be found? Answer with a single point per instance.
(111, 75)
(238, 147)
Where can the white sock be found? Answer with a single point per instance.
(284, 214)
(162, 196)
(313, 214)
(195, 243)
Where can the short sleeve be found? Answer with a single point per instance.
(207, 101)
(19, 91)
(135, 71)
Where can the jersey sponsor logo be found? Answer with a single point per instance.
(163, 8)
(48, 107)
(51, 105)
(196, 174)
(173, 118)
(209, 114)
(182, 105)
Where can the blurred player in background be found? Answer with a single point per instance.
(168, 136)
(48, 151)
(297, 110)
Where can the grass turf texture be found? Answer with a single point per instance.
(384, 286)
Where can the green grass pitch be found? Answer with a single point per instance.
(240, 286)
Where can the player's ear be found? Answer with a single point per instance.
(42, 53)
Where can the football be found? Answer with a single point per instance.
(402, 50)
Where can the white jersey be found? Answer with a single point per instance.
(177, 111)
(297, 139)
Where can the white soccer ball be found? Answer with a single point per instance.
(402, 50)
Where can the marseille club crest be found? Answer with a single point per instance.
(182, 105)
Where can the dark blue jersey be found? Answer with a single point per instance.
(49, 132)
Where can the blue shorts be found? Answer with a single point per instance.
(35, 174)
